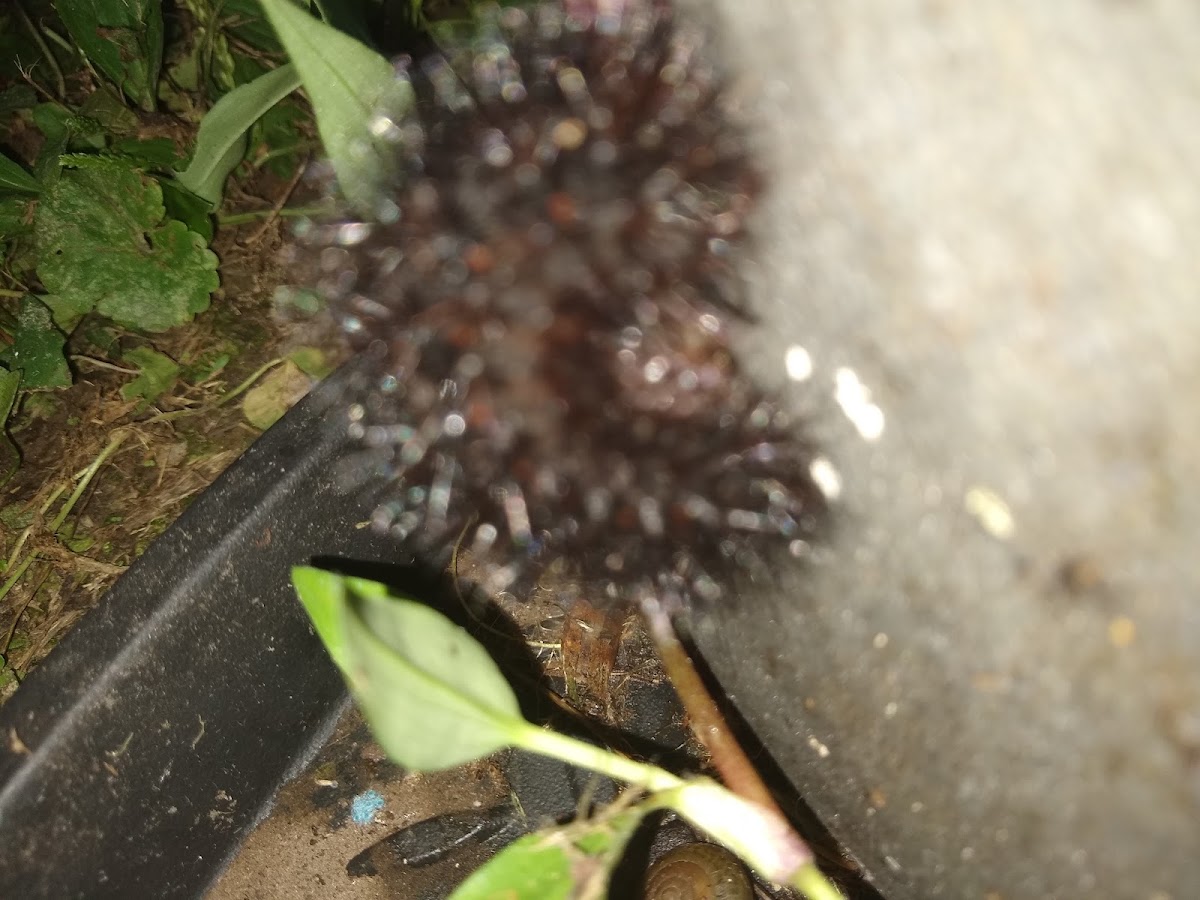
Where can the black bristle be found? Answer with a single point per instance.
(548, 300)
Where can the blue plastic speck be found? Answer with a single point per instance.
(364, 806)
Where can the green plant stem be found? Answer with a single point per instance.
(760, 835)
(730, 760)
(16, 575)
(54, 495)
(589, 756)
(814, 885)
(60, 84)
(221, 401)
(62, 42)
(89, 473)
(295, 212)
(253, 377)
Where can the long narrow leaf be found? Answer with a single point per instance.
(351, 87)
(15, 179)
(221, 141)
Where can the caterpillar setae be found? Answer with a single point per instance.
(548, 305)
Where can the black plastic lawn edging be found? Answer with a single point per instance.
(135, 759)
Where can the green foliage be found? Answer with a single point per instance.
(111, 217)
(246, 22)
(221, 141)
(15, 98)
(353, 90)
(149, 153)
(37, 348)
(157, 374)
(557, 863)
(207, 365)
(435, 699)
(406, 664)
(121, 38)
(104, 244)
(9, 457)
(214, 55)
(278, 140)
(98, 221)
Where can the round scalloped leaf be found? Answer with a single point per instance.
(104, 245)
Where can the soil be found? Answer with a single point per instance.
(302, 851)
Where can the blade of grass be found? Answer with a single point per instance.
(89, 473)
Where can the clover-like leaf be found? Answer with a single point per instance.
(37, 348)
(156, 375)
(104, 244)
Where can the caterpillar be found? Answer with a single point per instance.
(547, 304)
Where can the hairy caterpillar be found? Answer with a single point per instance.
(547, 302)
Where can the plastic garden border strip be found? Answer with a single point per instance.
(135, 759)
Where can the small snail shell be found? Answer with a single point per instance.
(697, 872)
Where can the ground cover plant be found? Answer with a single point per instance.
(147, 151)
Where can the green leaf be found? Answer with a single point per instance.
(278, 140)
(212, 43)
(221, 140)
(52, 120)
(250, 25)
(157, 375)
(80, 544)
(122, 38)
(109, 113)
(352, 88)
(571, 862)
(15, 179)
(180, 203)
(158, 153)
(530, 868)
(10, 458)
(432, 695)
(37, 348)
(274, 395)
(206, 365)
(312, 361)
(347, 16)
(17, 515)
(104, 244)
(66, 311)
(323, 595)
(14, 216)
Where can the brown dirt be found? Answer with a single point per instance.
(301, 851)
